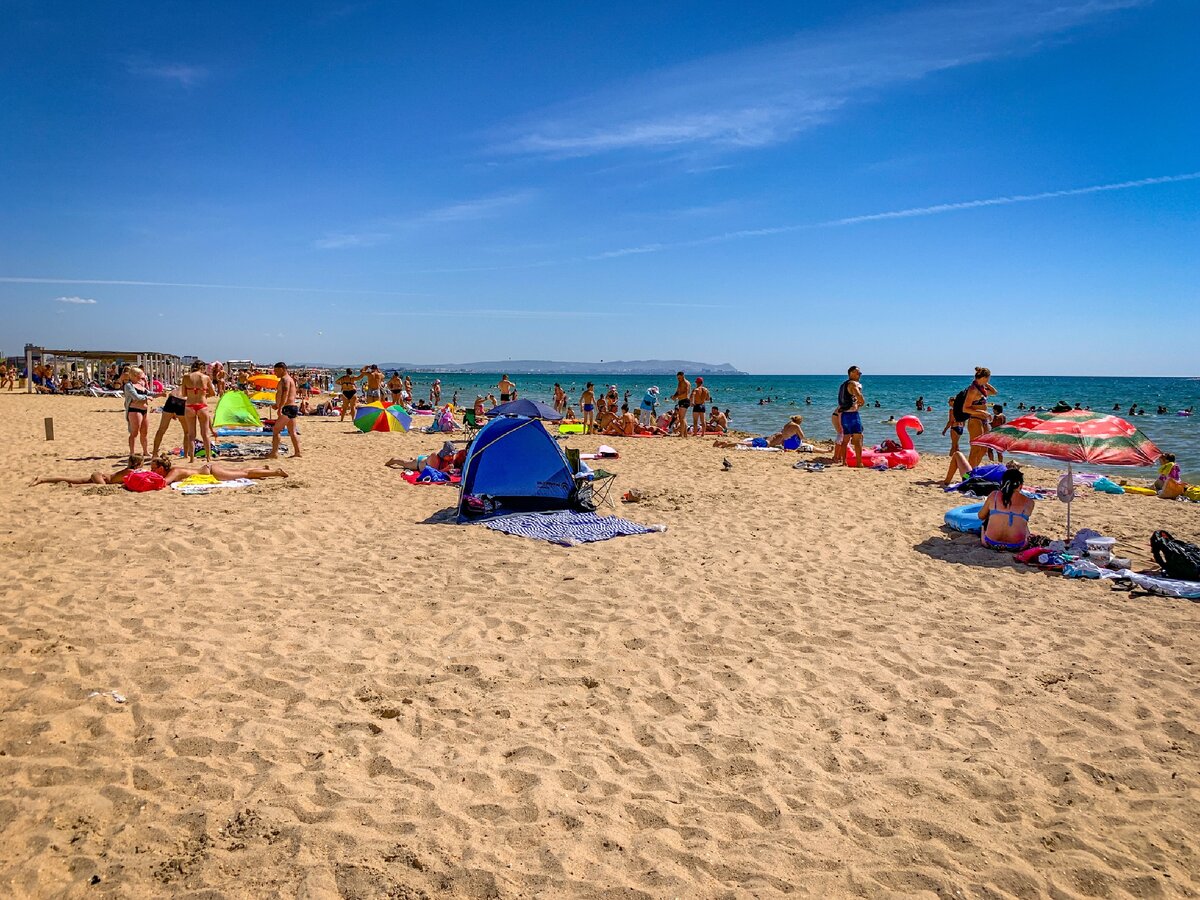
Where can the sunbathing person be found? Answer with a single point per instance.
(625, 425)
(717, 421)
(132, 464)
(164, 466)
(1006, 513)
(790, 429)
(447, 459)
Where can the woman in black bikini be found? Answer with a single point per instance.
(137, 399)
(349, 385)
(173, 410)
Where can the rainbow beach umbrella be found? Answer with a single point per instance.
(401, 415)
(375, 417)
(1076, 436)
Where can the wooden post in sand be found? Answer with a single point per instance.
(49, 428)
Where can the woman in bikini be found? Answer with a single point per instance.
(137, 400)
(976, 409)
(349, 386)
(118, 477)
(173, 410)
(1006, 513)
(197, 388)
(171, 473)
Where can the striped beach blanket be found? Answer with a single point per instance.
(567, 527)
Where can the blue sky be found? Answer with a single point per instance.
(785, 186)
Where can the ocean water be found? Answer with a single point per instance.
(896, 395)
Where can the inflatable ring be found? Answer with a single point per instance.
(965, 518)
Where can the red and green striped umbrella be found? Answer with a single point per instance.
(1076, 436)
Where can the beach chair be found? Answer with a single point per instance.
(471, 424)
(592, 486)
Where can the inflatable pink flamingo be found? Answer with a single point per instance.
(906, 456)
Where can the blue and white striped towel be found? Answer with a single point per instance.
(567, 527)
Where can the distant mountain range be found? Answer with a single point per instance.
(551, 367)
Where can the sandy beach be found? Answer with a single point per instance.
(804, 687)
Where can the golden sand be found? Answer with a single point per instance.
(804, 686)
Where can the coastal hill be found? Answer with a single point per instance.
(550, 367)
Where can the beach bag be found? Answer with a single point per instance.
(142, 481)
(1178, 559)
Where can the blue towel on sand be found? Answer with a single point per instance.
(567, 527)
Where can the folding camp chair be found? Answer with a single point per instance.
(592, 487)
(471, 424)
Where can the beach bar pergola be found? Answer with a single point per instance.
(166, 367)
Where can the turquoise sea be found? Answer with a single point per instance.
(896, 395)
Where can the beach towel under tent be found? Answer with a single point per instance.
(514, 464)
(234, 410)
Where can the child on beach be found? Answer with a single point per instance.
(952, 426)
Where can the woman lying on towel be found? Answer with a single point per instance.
(445, 460)
(172, 473)
(132, 464)
(1006, 514)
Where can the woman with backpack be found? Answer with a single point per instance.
(970, 410)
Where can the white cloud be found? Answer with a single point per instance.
(770, 93)
(184, 75)
(22, 279)
(78, 301)
(913, 212)
(345, 241)
(464, 211)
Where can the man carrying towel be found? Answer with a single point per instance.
(850, 401)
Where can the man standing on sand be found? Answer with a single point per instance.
(374, 392)
(682, 398)
(700, 398)
(850, 401)
(435, 393)
(286, 411)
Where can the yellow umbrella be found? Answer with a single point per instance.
(264, 381)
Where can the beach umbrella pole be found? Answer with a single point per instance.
(1071, 494)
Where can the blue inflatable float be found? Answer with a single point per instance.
(965, 518)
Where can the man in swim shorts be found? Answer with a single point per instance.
(374, 383)
(850, 401)
(506, 389)
(587, 402)
(700, 397)
(286, 411)
(683, 400)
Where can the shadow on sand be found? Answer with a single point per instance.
(965, 550)
(447, 516)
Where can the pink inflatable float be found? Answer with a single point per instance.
(906, 456)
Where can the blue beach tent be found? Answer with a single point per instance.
(515, 464)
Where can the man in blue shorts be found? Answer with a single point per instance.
(850, 401)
